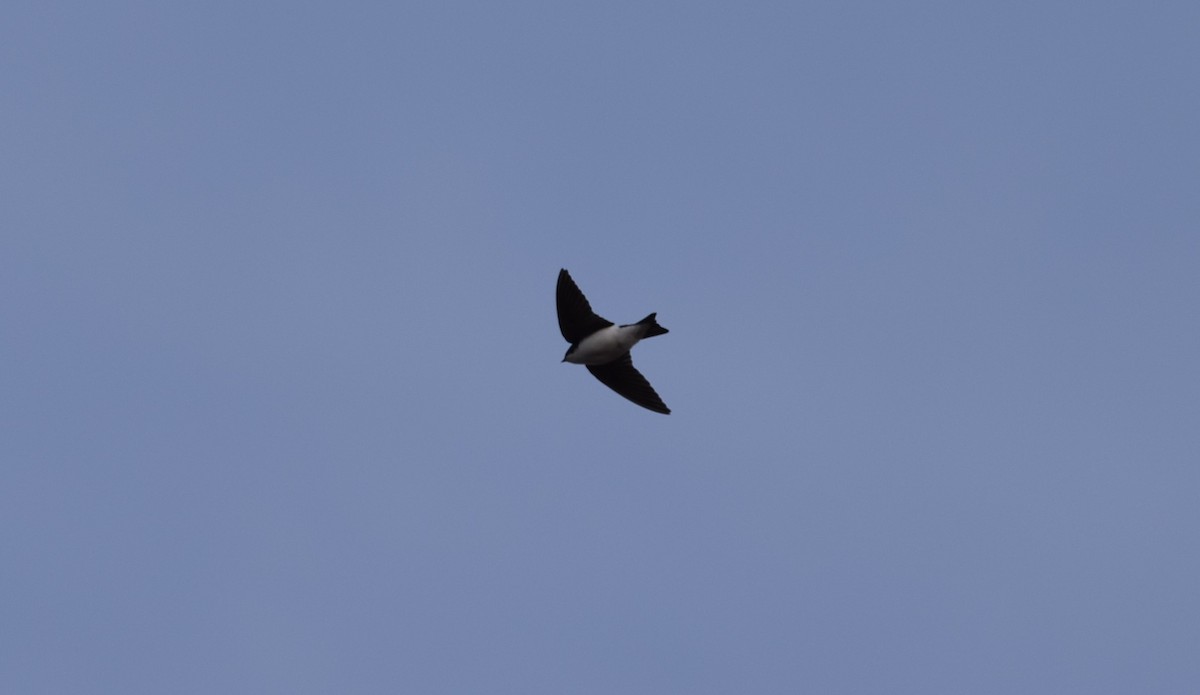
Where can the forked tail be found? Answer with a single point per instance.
(652, 327)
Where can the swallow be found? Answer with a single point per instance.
(604, 347)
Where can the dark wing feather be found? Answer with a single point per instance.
(576, 319)
(620, 376)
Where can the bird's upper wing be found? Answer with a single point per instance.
(620, 376)
(576, 319)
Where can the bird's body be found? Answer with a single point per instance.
(606, 344)
(604, 347)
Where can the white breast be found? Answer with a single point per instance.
(606, 344)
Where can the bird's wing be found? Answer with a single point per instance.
(576, 319)
(620, 376)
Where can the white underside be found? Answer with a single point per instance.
(607, 344)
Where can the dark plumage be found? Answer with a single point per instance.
(604, 347)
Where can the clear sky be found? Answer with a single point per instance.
(281, 394)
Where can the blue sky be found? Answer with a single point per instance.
(282, 402)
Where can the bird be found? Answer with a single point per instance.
(604, 347)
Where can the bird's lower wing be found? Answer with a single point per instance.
(620, 376)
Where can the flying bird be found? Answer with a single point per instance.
(603, 347)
